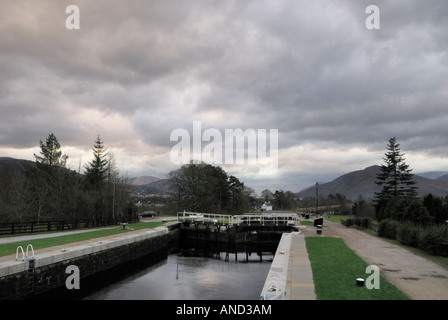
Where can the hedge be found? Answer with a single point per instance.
(409, 234)
(388, 228)
(432, 239)
(362, 222)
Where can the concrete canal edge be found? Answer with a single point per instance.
(290, 276)
(48, 269)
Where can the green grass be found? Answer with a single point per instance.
(438, 259)
(337, 218)
(335, 269)
(333, 218)
(10, 248)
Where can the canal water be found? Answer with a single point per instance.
(220, 276)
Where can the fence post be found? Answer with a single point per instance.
(12, 228)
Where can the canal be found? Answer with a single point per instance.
(180, 277)
(200, 265)
(196, 270)
(186, 273)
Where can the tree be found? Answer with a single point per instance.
(117, 190)
(48, 183)
(285, 200)
(396, 182)
(96, 172)
(361, 208)
(437, 208)
(236, 195)
(49, 180)
(201, 187)
(267, 195)
(14, 198)
(51, 153)
(47, 190)
(97, 169)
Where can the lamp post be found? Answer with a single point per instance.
(317, 199)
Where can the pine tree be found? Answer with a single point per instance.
(49, 181)
(395, 179)
(97, 169)
(51, 153)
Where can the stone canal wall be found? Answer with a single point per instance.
(48, 270)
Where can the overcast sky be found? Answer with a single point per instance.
(137, 70)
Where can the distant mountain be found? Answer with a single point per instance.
(362, 182)
(443, 178)
(7, 163)
(138, 181)
(432, 174)
(161, 184)
(158, 187)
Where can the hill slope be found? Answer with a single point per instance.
(157, 187)
(138, 181)
(362, 182)
(443, 178)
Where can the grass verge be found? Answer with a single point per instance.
(337, 219)
(335, 269)
(10, 248)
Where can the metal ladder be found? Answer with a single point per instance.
(272, 291)
(24, 257)
(31, 266)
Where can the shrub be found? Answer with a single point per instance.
(362, 222)
(409, 234)
(388, 228)
(434, 240)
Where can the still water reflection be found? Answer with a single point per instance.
(192, 278)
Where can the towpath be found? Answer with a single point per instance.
(4, 240)
(418, 277)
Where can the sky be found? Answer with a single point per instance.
(136, 71)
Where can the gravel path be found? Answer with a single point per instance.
(417, 277)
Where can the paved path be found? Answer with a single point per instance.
(45, 235)
(300, 283)
(64, 233)
(417, 277)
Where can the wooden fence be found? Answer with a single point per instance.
(12, 228)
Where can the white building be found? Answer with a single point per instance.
(266, 206)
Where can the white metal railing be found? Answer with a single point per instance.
(285, 218)
(268, 219)
(205, 217)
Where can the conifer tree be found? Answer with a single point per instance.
(97, 169)
(51, 153)
(48, 182)
(395, 179)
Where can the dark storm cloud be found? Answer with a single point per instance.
(308, 68)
